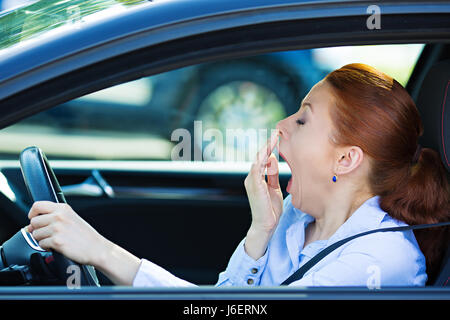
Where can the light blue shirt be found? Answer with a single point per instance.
(375, 260)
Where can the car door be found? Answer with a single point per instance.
(174, 195)
(116, 162)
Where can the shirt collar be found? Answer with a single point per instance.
(367, 217)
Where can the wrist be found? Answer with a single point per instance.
(101, 254)
(119, 265)
(256, 242)
(261, 231)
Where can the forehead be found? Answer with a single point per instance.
(320, 97)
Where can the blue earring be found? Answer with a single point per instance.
(334, 178)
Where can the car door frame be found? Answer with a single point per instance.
(211, 40)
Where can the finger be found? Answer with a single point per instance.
(274, 139)
(272, 172)
(42, 233)
(46, 243)
(264, 152)
(40, 221)
(42, 207)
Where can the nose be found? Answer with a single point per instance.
(282, 128)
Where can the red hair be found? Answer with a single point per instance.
(373, 111)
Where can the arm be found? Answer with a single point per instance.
(266, 203)
(57, 226)
(119, 265)
(265, 199)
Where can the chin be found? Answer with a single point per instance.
(295, 201)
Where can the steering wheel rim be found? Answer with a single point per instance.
(42, 185)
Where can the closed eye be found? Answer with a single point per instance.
(300, 122)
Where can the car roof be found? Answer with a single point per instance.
(77, 37)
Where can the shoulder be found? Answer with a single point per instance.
(371, 217)
(395, 253)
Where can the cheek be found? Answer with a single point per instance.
(303, 149)
(309, 154)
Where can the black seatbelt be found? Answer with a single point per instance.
(297, 275)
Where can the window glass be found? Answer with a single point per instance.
(22, 20)
(218, 111)
(398, 61)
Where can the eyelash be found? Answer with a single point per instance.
(300, 122)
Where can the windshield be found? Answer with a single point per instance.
(34, 18)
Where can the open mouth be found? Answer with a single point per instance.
(281, 155)
(284, 158)
(288, 188)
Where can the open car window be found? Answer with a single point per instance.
(218, 111)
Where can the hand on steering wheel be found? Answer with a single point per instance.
(53, 221)
(57, 226)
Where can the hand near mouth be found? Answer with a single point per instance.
(265, 198)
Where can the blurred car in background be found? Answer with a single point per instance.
(252, 92)
(263, 88)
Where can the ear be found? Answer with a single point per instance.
(349, 159)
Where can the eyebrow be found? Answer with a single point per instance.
(307, 104)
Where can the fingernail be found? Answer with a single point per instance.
(273, 137)
(271, 170)
(275, 133)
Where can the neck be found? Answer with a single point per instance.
(335, 213)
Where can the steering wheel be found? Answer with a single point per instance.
(42, 184)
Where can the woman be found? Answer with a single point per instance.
(356, 166)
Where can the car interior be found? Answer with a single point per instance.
(169, 214)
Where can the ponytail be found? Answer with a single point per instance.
(422, 198)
